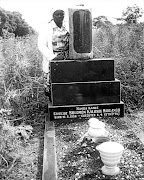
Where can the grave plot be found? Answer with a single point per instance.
(82, 161)
(81, 88)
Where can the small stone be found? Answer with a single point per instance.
(77, 175)
(140, 165)
(84, 145)
(122, 161)
(65, 147)
(122, 178)
(127, 177)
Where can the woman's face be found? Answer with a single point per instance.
(58, 16)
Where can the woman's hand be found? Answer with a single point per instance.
(59, 56)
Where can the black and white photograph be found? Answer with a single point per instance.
(72, 90)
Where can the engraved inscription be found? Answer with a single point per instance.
(86, 112)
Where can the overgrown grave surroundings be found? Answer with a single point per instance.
(125, 46)
(81, 161)
(21, 88)
(21, 109)
(21, 148)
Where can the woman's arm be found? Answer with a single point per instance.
(45, 43)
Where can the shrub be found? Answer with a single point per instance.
(22, 82)
(125, 44)
(12, 140)
(12, 23)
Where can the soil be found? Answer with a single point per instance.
(77, 157)
(79, 160)
(28, 163)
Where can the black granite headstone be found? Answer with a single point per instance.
(83, 87)
(82, 71)
(86, 93)
(82, 31)
(77, 112)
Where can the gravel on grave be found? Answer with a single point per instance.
(81, 161)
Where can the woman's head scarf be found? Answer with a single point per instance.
(57, 8)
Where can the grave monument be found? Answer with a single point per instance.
(83, 87)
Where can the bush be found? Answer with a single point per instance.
(21, 96)
(125, 44)
(22, 82)
(12, 140)
(12, 23)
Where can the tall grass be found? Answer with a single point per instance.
(21, 82)
(21, 97)
(126, 45)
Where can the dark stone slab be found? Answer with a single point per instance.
(86, 111)
(86, 93)
(82, 31)
(82, 71)
(49, 157)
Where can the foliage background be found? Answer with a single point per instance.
(22, 105)
(21, 80)
(125, 44)
(13, 23)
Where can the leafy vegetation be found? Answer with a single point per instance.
(125, 44)
(21, 80)
(132, 14)
(12, 23)
(21, 105)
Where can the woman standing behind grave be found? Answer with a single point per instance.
(53, 43)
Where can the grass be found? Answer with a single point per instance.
(22, 159)
(21, 109)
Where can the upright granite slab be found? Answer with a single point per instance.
(81, 93)
(82, 70)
